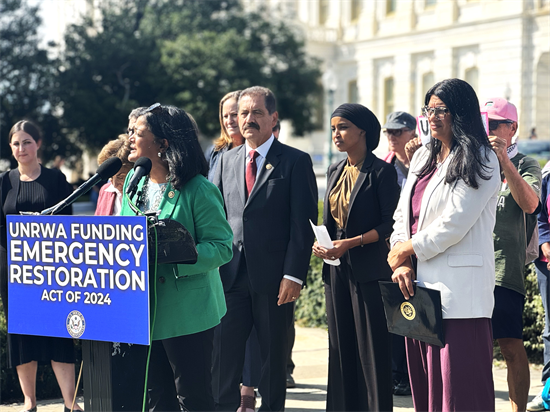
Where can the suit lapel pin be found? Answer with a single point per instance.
(268, 166)
(171, 194)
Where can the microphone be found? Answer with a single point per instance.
(106, 170)
(142, 167)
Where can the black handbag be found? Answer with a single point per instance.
(419, 318)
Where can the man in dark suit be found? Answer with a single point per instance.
(270, 193)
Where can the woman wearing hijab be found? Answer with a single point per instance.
(362, 194)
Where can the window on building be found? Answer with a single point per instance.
(353, 92)
(430, 3)
(391, 5)
(388, 96)
(356, 9)
(318, 103)
(427, 81)
(471, 76)
(323, 11)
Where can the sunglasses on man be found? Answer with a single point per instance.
(395, 132)
(494, 124)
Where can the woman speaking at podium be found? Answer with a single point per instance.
(189, 298)
(32, 188)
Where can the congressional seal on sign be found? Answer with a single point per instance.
(76, 324)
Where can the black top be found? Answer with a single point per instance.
(45, 191)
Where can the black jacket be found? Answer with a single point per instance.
(372, 203)
(272, 226)
(56, 187)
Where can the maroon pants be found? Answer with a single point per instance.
(457, 377)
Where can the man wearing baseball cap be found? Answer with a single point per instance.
(517, 209)
(399, 129)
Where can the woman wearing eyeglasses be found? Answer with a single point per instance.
(443, 238)
(362, 194)
(189, 299)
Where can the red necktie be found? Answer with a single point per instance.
(251, 169)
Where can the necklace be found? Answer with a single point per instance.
(152, 194)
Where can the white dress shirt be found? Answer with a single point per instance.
(262, 153)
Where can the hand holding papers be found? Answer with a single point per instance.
(321, 233)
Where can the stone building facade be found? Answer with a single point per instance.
(385, 54)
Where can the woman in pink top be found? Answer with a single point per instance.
(110, 194)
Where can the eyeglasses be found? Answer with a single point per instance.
(395, 132)
(439, 112)
(493, 124)
(152, 108)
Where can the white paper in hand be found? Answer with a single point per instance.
(323, 238)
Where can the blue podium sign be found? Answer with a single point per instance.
(79, 276)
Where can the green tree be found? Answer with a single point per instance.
(27, 79)
(183, 52)
(106, 70)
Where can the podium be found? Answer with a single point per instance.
(114, 372)
(86, 277)
(112, 376)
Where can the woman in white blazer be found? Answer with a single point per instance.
(443, 238)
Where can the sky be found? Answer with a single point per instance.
(56, 15)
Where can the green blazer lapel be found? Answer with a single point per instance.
(270, 163)
(139, 192)
(168, 202)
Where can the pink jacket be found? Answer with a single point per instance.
(105, 202)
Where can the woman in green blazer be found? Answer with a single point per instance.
(189, 300)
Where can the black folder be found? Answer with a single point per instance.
(419, 317)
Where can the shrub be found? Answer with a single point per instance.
(9, 384)
(533, 317)
(311, 309)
